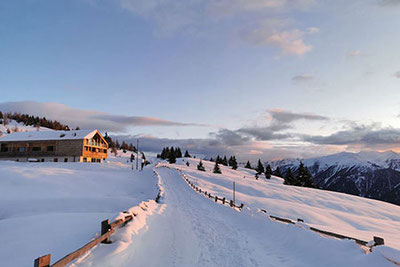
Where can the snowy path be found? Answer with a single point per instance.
(190, 230)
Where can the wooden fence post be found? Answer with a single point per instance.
(216, 198)
(43, 261)
(231, 203)
(379, 241)
(223, 201)
(241, 206)
(105, 227)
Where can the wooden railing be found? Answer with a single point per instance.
(377, 240)
(107, 229)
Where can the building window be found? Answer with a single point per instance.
(84, 159)
(86, 148)
(55, 159)
(93, 160)
(4, 148)
(50, 148)
(21, 149)
(36, 148)
(98, 160)
(104, 150)
(65, 159)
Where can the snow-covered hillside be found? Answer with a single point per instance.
(14, 126)
(190, 230)
(353, 216)
(57, 207)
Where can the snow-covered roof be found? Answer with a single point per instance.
(48, 135)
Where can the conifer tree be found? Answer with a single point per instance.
(187, 163)
(117, 145)
(171, 158)
(309, 181)
(132, 157)
(277, 172)
(234, 163)
(216, 168)
(187, 155)
(289, 178)
(248, 165)
(211, 159)
(200, 166)
(268, 171)
(178, 153)
(218, 160)
(304, 177)
(224, 161)
(230, 161)
(260, 167)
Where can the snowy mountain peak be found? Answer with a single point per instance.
(384, 159)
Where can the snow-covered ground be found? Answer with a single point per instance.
(14, 126)
(188, 229)
(342, 213)
(58, 207)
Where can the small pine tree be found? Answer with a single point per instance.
(304, 177)
(171, 158)
(187, 163)
(224, 161)
(200, 167)
(260, 167)
(309, 181)
(277, 172)
(132, 157)
(178, 153)
(230, 160)
(117, 145)
(211, 159)
(289, 178)
(187, 155)
(248, 165)
(234, 163)
(216, 168)
(268, 171)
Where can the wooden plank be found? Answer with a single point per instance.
(281, 219)
(79, 252)
(339, 236)
(43, 261)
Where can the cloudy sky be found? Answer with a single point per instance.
(260, 78)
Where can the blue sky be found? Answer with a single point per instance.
(210, 70)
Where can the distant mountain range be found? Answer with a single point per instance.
(368, 174)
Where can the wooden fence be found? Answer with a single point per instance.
(223, 200)
(107, 229)
(377, 240)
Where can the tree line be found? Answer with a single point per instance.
(300, 177)
(172, 154)
(116, 145)
(30, 120)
